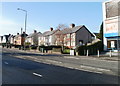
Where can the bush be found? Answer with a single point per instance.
(66, 51)
(33, 47)
(81, 49)
(92, 49)
(56, 49)
(27, 43)
(65, 47)
(48, 47)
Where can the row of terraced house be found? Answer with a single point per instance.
(69, 37)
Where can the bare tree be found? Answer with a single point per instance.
(60, 35)
(62, 26)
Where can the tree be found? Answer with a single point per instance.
(100, 35)
(101, 32)
(60, 35)
(61, 26)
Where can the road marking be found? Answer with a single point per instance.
(53, 61)
(6, 62)
(94, 68)
(102, 69)
(70, 57)
(37, 74)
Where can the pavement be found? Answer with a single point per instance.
(102, 56)
(19, 67)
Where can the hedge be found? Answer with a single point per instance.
(57, 49)
(92, 49)
(48, 47)
(66, 51)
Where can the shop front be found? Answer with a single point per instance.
(113, 43)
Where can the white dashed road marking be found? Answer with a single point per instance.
(6, 62)
(37, 74)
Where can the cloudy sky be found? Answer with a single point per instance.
(43, 15)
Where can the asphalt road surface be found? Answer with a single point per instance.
(23, 71)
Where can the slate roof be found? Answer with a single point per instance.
(22, 35)
(47, 33)
(30, 35)
(1, 37)
(33, 34)
(6, 37)
(70, 30)
(40, 34)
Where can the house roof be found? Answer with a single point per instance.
(47, 33)
(1, 37)
(23, 35)
(6, 37)
(33, 34)
(73, 30)
(40, 34)
(96, 34)
(70, 30)
(20, 35)
(11, 36)
(30, 35)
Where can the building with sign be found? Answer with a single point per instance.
(111, 20)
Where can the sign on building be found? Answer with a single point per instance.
(111, 22)
(111, 27)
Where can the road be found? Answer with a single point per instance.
(27, 71)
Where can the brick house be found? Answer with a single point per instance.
(74, 36)
(48, 38)
(1, 38)
(33, 38)
(11, 39)
(19, 39)
(4, 40)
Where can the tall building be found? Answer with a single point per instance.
(111, 20)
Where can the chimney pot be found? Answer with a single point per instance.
(72, 25)
(35, 31)
(17, 33)
(23, 32)
(51, 29)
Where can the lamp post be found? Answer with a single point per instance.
(25, 23)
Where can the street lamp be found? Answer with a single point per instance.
(25, 17)
(25, 23)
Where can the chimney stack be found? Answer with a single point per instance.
(23, 32)
(35, 31)
(17, 33)
(72, 25)
(51, 29)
